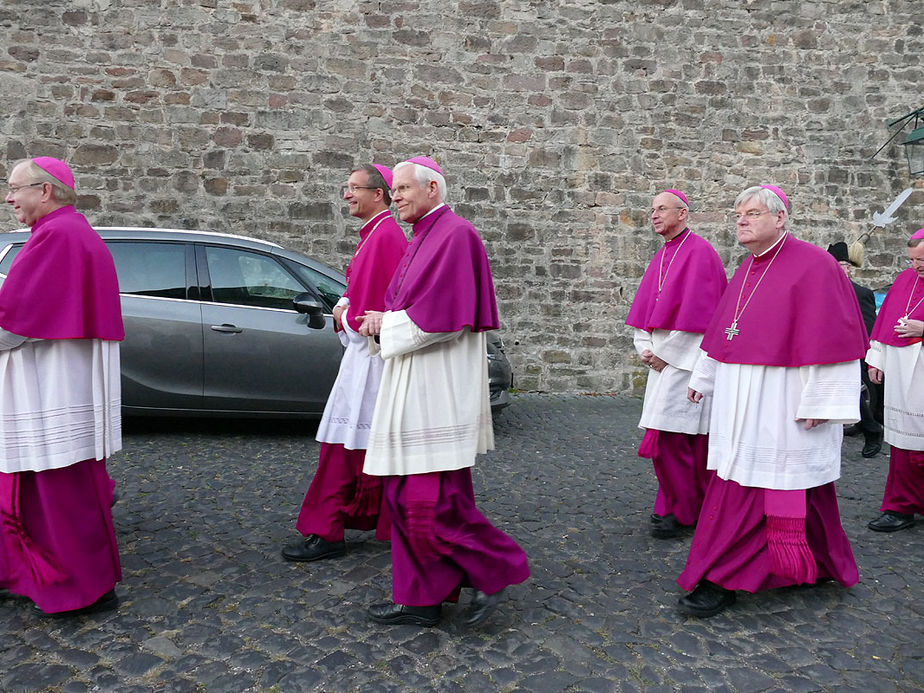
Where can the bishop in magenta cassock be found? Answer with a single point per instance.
(673, 305)
(895, 357)
(433, 414)
(60, 327)
(340, 495)
(781, 360)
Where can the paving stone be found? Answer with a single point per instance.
(548, 682)
(35, 676)
(138, 664)
(596, 685)
(74, 687)
(798, 684)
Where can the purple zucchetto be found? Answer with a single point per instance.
(56, 168)
(679, 194)
(427, 162)
(917, 234)
(386, 174)
(779, 193)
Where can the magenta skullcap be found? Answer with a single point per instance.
(428, 162)
(917, 234)
(386, 174)
(56, 168)
(679, 194)
(779, 193)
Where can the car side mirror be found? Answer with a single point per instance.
(308, 305)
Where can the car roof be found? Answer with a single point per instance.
(142, 232)
(129, 233)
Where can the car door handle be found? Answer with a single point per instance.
(231, 329)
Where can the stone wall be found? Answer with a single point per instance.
(555, 121)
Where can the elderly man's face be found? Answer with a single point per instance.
(25, 196)
(916, 259)
(667, 216)
(412, 199)
(757, 228)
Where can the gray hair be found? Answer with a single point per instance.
(424, 175)
(915, 242)
(767, 198)
(60, 193)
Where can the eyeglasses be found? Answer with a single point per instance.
(916, 260)
(401, 190)
(662, 209)
(354, 188)
(752, 215)
(16, 188)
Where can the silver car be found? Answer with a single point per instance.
(217, 324)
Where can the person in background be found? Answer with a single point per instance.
(895, 358)
(672, 307)
(868, 425)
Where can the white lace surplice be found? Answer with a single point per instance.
(347, 416)
(666, 407)
(60, 403)
(754, 438)
(433, 411)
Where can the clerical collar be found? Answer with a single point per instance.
(372, 220)
(441, 204)
(774, 245)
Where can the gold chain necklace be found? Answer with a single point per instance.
(662, 275)
(913, 287)
(732, 331)
(362, 243)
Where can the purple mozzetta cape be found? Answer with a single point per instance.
(894, 306)
(63, 283)
(444, 279)
(693, 280)
(804, 311)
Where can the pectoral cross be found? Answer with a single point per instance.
(733, 330)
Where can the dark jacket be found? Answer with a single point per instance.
(867, 301)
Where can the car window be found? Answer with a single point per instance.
(8, 259)
(329, 289)
(150, 269)
(250, 279)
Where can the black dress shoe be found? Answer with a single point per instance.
(891, 521)
(482, 605)
(667, 528)
(708, 599)
(872, 446)
(853, 430)
(399, 614)
(313, 548)
(107, 602)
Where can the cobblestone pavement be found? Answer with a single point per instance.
(209, 605)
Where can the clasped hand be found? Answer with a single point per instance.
(371, 323)
(653, 362)
(909, 328)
